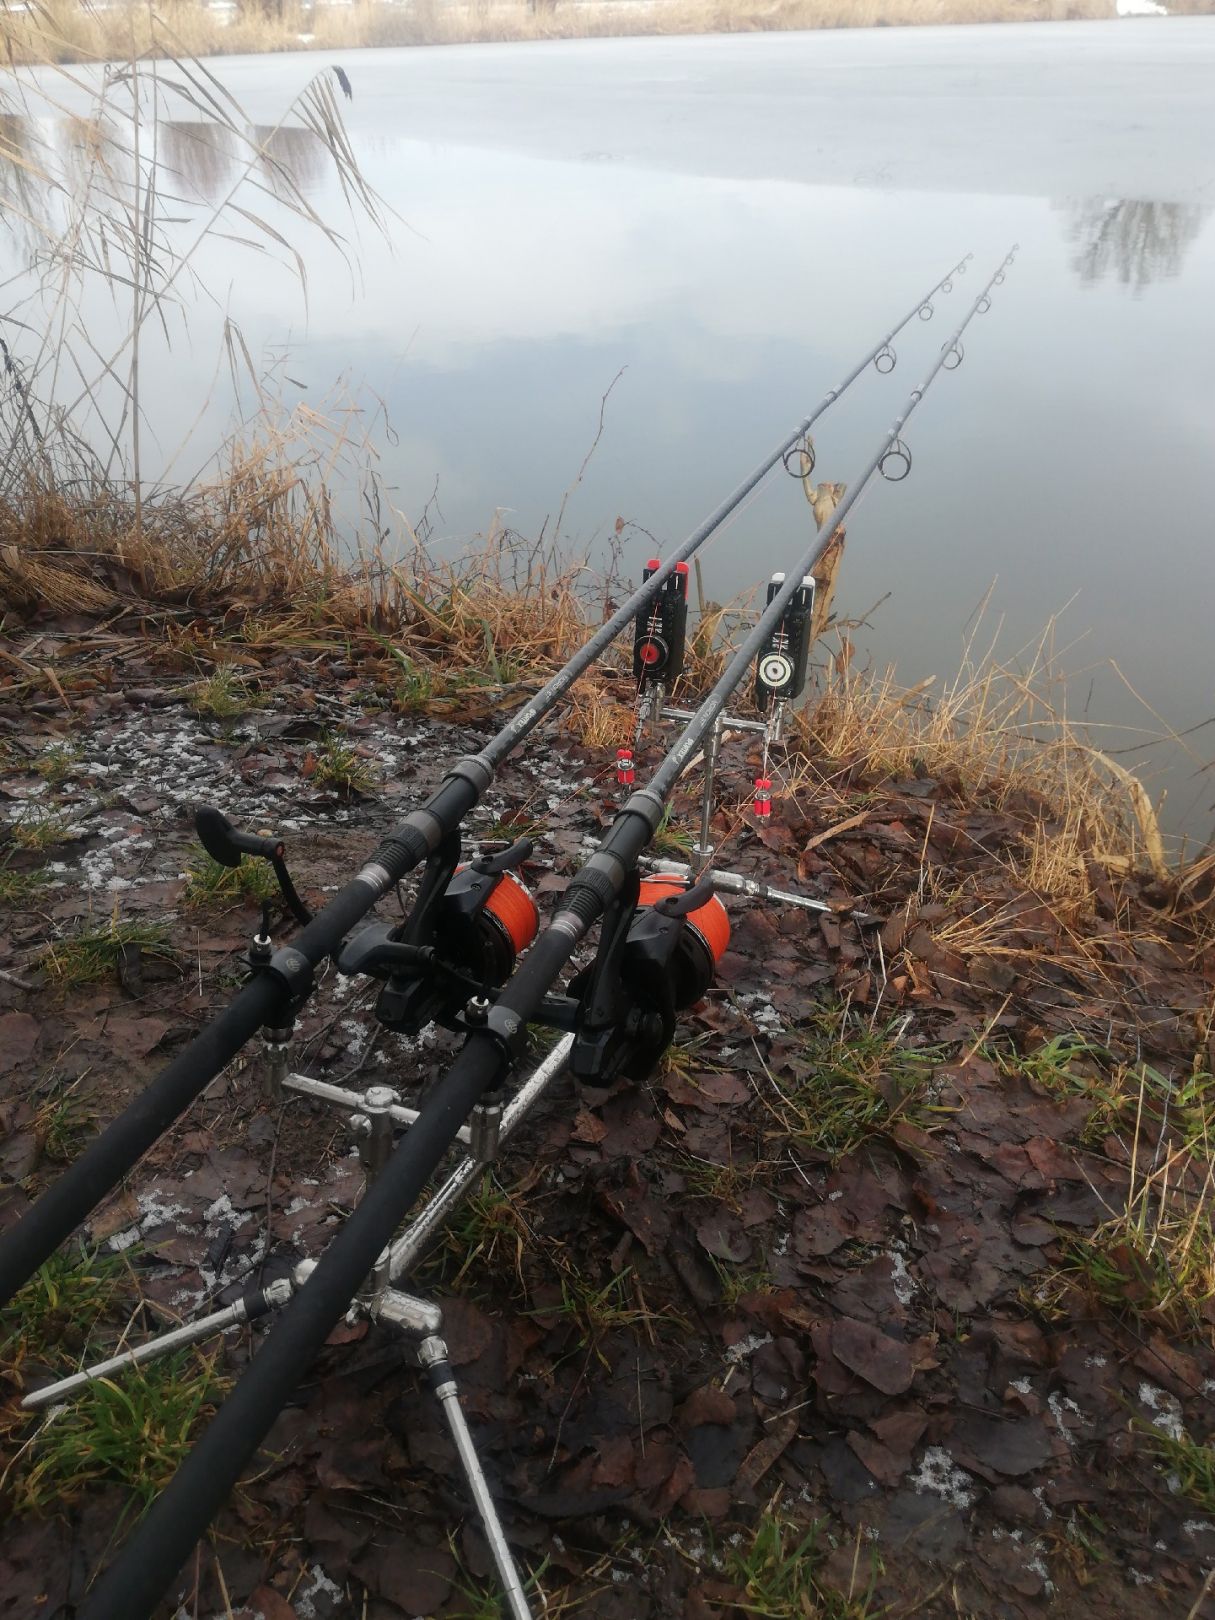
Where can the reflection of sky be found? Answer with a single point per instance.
(1066, 459)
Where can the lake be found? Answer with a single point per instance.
(725, 224)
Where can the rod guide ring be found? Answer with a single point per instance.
(954, 356)
(926, 311)
(900, 456)
(793, 459)
(887, 355)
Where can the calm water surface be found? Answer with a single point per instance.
(730, 222)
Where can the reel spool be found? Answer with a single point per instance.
(484, 923)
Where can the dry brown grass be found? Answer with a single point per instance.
(996, 731)
(60, 30)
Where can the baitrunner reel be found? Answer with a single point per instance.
(659, 946)
(467, 928)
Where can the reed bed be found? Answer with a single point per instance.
(65, 31)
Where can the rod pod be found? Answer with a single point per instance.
(268, 999)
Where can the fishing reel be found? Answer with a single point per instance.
(467, 928)
(659, 946)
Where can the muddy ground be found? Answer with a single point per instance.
(685, 1319)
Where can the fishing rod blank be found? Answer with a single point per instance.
(274, 995)
(162, 1542)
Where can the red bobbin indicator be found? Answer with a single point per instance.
(625, 773)
(709, 922)
(763, 796)
(681, 574)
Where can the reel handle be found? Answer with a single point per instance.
(226, 844)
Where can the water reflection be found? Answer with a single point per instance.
(1131, 238)
(295, 159)
(202, 156)
(42, 162)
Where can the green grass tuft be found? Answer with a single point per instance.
(340, 766)
(18, 888)
(132, 1430)
(780, 1570)
(223, 696)
(91, 955)
(40, 830)
(1190, 1468)
(862, 1082)
(209, 883)
(59, 1306)
(55, 764)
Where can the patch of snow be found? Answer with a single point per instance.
(939, 1475)
(745, 1348)
(903, 1282)
(305, 1598)
(1165, 1410)
(1059, 1405)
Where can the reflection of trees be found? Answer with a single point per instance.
(203, 155)
(23, 185)
(294, 153)
(1138, 241)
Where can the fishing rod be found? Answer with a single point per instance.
(633, 953)
(286, 979)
